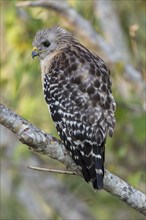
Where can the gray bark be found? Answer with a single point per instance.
(41, 194)
(44, 143)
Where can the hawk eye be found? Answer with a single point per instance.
(46, 44)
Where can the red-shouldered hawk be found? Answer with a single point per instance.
(77, 89)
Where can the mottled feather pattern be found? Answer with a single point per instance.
(77, 88)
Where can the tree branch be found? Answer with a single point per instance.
(43, 143)
(41, 197)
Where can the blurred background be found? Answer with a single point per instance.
(120, 39)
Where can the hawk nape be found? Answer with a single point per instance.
(77, 89)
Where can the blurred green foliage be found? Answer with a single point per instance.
(21, 90)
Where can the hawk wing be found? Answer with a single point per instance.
(82, 107)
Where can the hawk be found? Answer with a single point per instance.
(77, 90)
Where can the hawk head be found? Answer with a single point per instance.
(49, 40)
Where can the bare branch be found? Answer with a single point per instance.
(37, 192)
(44, 143)
(36, 139)
(86, 30)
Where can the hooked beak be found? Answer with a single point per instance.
(34, 52)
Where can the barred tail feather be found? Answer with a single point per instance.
(91, 162)
(99, 166)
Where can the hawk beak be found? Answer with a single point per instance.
(34, 52)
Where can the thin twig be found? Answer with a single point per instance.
(52, 170)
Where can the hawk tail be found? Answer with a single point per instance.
(92, 163)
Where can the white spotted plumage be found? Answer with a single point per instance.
(77, 89)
